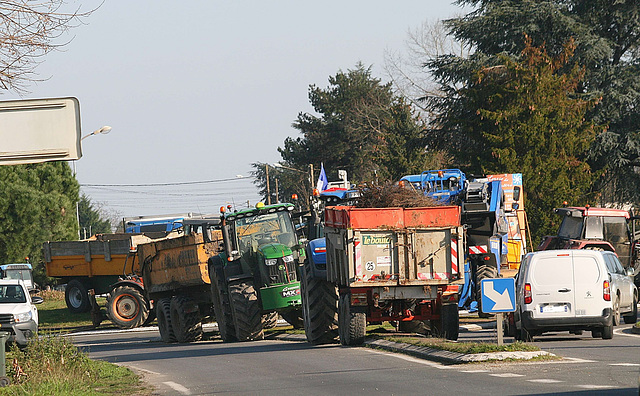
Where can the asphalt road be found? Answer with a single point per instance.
(285, 367)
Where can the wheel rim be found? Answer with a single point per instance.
(75, 298)
(126, 307)
(616, 312)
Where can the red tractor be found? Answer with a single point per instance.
(596, 229)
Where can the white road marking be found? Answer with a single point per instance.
(578, 360)
(594, 386)
(545, 381)
(178, 387)
(619, 332)
(412, 359)
(625, 364)
(507, 375)
(142, 370)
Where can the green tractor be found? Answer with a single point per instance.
(255, 278)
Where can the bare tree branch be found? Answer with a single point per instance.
(28, 31)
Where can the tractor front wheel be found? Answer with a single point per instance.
(246, 310)
(319, 308)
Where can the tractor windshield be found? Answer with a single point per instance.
(571, 228)
(255, 231)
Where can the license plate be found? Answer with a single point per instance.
(553, 308)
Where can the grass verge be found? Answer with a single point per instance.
(463, 347)
(54, 366)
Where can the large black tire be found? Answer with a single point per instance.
(294, 318)
(448, 326)
(632, 317)
(163, 313)
(127, 308)
(221, 304)
(526, 335)
(607, 332)
(319, 308)
(352, 325)
(246, 310)
(269, 320)
(186, 320)
(484, 271)
(76, 297)
(414, 326)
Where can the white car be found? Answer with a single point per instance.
(18, 313)
(572, 290)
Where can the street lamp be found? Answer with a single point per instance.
(104, 130)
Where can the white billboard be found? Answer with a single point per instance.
(39, 130)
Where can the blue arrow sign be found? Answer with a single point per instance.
(498, 295)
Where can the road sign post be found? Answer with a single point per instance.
(498, 295)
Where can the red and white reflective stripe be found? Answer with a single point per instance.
(435, 275)
(480, 249)
(454, 256)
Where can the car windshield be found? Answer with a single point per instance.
(12, 294)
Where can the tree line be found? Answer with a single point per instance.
(548, 89)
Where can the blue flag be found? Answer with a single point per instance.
(323, 182)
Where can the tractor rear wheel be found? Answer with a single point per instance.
(448, 325)
(221, 304)
(484, 272)
(269, 320)
(319, 308)
(352, 325)
(246, 311)
(163, 313)
(76, 297)
(294, 318)
(127, 308)
(185, 319)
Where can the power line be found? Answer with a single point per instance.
(166, 184)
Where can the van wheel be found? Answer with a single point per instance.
(615, 312)
(525, 335)
(607, 332)
(633, 316)
(596, 333)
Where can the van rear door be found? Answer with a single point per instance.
(552, 286)
(589, 275)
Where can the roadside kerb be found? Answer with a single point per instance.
(427, 353)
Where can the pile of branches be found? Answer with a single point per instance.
(391, 195)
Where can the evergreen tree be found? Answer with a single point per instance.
(361, 127)
(38, 204)
(607, 37)
(91, 219)
(524, 117)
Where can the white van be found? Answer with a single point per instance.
(565, 290)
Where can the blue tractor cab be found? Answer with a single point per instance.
(443, 185)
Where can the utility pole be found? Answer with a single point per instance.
(277, 192)
(266, 167)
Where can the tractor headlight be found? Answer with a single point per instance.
(287, 259)
(22, 317)
(271, 261)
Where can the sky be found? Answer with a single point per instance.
(197, 91)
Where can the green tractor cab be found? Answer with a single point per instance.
(257, 274)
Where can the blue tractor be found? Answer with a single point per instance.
(319, 297)
(482, 208)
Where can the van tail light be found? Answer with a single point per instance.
(527, 293)
(606, 291)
